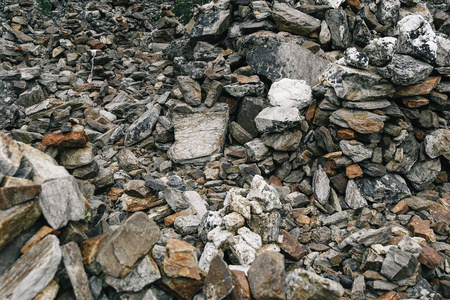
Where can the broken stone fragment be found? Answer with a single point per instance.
(358, 120)
(218, 282)
(290, 93)
(266, 276)
(294, 21)
(74, 267)
(15, 190)
(10, 155)
(405, 70)
(73, 139)
(278, 119)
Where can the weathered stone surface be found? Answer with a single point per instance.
(127, 160)
(355, 150)
(241, 289)
(284, 141)
(405, 70)
(410, 153)
(115, 258)
(242, 250)
(381, 50)
(421, 228)
(291, 246)
(218, 282)
(293, 21)
(143, 126)
(423, 88)
(211, 25)
(438, 143)
(337, 22)
(398, 264)
(75, 158)
(194, 145)
(250, 108)
(73, 139)
(9, 108)
(443, 51)
(192, 92)
(321, 186)
(277, 119)
(10, 155)
(302, 284)
(423, 173)
(33, 271)
(368, 237)
(74, 267)
(353, 196)
(356, 59)
(15, 190)
(356, 84)
(387, 13)
(358, 120)
(290, 93)
(390, 188)
(255, 150)
(266, 276)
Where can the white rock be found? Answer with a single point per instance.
(219, 237)
(251, 238)
(241, 205)
(196, 201)
(265, 194)
(290, 93)
(233, 221)
(243, 251)
(321, 186)
(353, 196)
(209, 252)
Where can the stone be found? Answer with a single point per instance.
(443, 50)
(388, 12)
(115, 258)
(9, 108)
(277, 119)
(302, 285)
(398, 264)
(438, 143)
(132, 203)
(137, 188)
(390, 188)
(15, 190)
(356, 59)
(368, 237)
(233, 221)
(423, 88)
(74, 267)
(209, 253)
(290, 93)
(10, 155)
(241, 289)
(353, 196)
(250, 108)
(266, 276)
(213, 93)
(353, 171)
(255, 150)
(33, 271)
(264, 193)
(32, 96)
(61, 201)
(337, 23)
(353, 84)
(423, 173)
(410, 152)
(218, 282)
(185, 225)
(75, 158)
(381, 50)
(355, 150)
(358, 288)
(17, 219)
(49, 292)
(405, 70)
(429, 257)
(241, 90)
(291, 246)
(251, 238)
(416, 38)
(421, 228)
(145, 273)
(321, 186)
(142, 127)
(196, 201)
(127, 160)
(175, 199)
(243, 251)
(293, 21)
(192, 145)
(191, 90)
(358, 120)
(210, 25)
(284, 141)
(239, 133)
(73, 139)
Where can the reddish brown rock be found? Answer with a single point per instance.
(246, 79)
(73, 139)
(218, 283)
(355, 5)
(42, 233)
(275, 181)
(421, 228)
(346, 134)
(415, 102)
(133, 204)
(241, 289)
(423, 88)
(89, 249)
(17, 190)
(429, 257)
(389, 296)
(353, 171)
(400, 208)
(114, 193)
(169, 220)
(440, 212)
(266, 276)
(291, 246)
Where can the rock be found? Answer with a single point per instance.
(239, 133)
(185, 225)
(73, 139)
(75, 158)
(358, 288)
(355, 150)
(10, 155)
(175, 199)
(405, 70)
(243, 251)
(196, 201)
(241, 289)
(416, 38)
(218, 282)
(421, 228)
(32, 96)
(398, 264)
(291, 246)
(266, 276)
(423, 173)
(211, 25)
(290, 93)
(321, 186)
(337, 22)
(241, 90)
(358, 120)
(192, 145)
(74, 267)
(387, 13)
(264, 193)
(255, 150)
(368, 237)
(9, 109)
(443, 50)
(251, 238)
(115, 258)
(33, 271)
(353, 196)
(192, 92)
(429, 257)
(213, 94)
(143, 127)
(390, 188)
(145, 273)
(285, 141)
(381, 50)
(352, 84)
(302, 284)
(423, 88)
(61, 201)
(293, 21)
(127, 160)
(410, 152)
(17, 219)
(277, 119)
(438, 143)
(356, 59)
(17, 190)
(250, 108)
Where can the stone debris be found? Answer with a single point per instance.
(224, 149)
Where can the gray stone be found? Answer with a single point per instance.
(31, 96)
(196, 201)
(218, 282)
(367, 105)
(278, 119)
(356, 59)
(213, 93)
(75, 158)
(243, 251)
(358, 120)
(264, 193)
(209, 252)
(361, 34)
(239, 133)
(284, 141)
(191, 90)
(199, 135)
(250, 108)
(185, 225)
(410, 149)
(291, 20)
(368, 237)
(387, 13)
(261, 10)
(358, 288)
(239, 90)
(438, 143)
(75, 269)
(405, 70)
(381, 50)
(321, 186)
(267, 225)
(337, 22)
(255, 150)
(251, 238)
(9, 108)
(127, 160)
(210, 25)
(10, 155)
(356, 84)
(390, 188)
(143, 127)
(355, 150)
(290, 93)
(398, 264)
(302, 284)
(175, 199)
(353, 196)
(443, 51)
(423, 173)
(33, 271)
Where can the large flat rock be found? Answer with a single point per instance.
(199, 135)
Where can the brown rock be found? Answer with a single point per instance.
(241, 289)
(73, 139)
(218, 283)
(415, 102)
(303, 220)
(275, 181)
(169, 220)
(89, 249)
(266, 276)
(42, 233)
(291, 246)
(133, 204)
(346, 134)
(400, 208)
(247, 79)
(355, 5)
(17, 190)
(440, 212)
(421, 228)
(423, 88)
(333, 155)
(353, 171)
(114, 193)
(389, 296)
(49, 292)
(17, 219)
(429, 257)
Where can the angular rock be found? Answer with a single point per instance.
(143, 127)
(443, 51)
(321, 186)
(241, 289)
(381, 50)
(211, 25)
(266, 276)
(405, 70)
(284, 141)
(438, 143)
(353, 196)
(250, 108)
(75, 158)
(255, 150)
(290, 93)
(73, 139)
(277, 119)
(410, 152)
(17, 190)
(390, 188)
(243, 251)
(337, 22)
(264, 193)
(291, 246)
(423, 173)
(355, 150)
(387, 13)
(241, 90)
(358, 120)
(356, 59)
(10, 155)
(291, 20)
(218, 283)
(398, 264)
(74, 267)
(127, 160)
(192, 92)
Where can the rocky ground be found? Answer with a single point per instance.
(264, 150)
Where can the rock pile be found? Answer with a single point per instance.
(264, 150)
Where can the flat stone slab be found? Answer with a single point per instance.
(75, 270)
(199, 135)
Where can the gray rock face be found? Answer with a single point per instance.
(356, 59)
(284, 141)
(198, 135)
(142, 127)
(31, 273)
(32, 96)
(115, 257)
(398, 264)
(337, 22)
(211, 25)
(191, 90)
(277, 119)
(390, 188)
(321, 186)
(405, 70)
(9, 110)
(218, 283)
(255, 150)
(355, 150)
(368, 237)
(75, 270)
(381, 50)
(353, 196)
(423, 173)
(75, 158)
(10, 155)
(291, 20)
(358, 120)
(242, 90)
(250, 108)
(302, 284)
(438, 143)
(403, 165)
(443, 51)
(355, 84)
(279, 60)
(387, 13)
(416, 38)
(175, 199)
